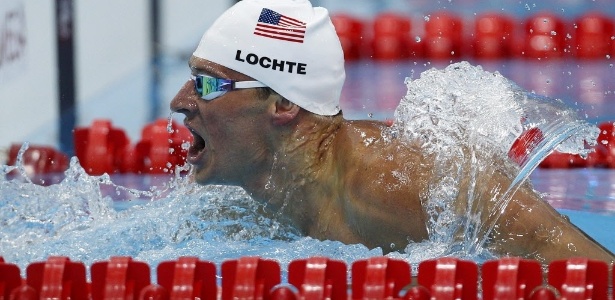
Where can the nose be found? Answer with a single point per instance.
(185, 101)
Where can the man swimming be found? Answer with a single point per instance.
(263, 107)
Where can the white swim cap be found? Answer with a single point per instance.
(288, 45)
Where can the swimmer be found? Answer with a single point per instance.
(263, 107)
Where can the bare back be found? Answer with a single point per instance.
(386, 189)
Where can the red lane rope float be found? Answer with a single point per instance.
(602, 156)
(350, 31)
(57, 278)
(391, 37)
(162, 147)
(119, 278)
(10, 279)
(493, 35)
(545, 36)
(38, 160)
(318, 278)
(312, 278)
(188, 278)
(249, 278)
(102, 148)
(593, 36)
(510, 278)
(443, 36)
(379, 278)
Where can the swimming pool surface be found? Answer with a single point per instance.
(89, 219)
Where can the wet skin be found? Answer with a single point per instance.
(343, 180)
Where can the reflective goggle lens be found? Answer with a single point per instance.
(209, 87)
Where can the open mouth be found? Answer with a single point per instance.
(197, 148)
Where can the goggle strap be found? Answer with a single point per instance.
(248, 84)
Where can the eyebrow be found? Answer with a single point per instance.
(198, 70)
(207, 70)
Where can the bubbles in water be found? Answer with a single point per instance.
(464, 117)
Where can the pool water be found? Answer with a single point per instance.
(587, 196)
(157, 218)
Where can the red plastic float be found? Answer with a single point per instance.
(119, 278)
(350, 31)
(318, 278)
(545, 36)
(188, 278)
(39, 160)
(602, 156)
(510, 278)
(379, 278)
(593, 36)
(449, 278)
(162, 146)
(525, 144)
(10, 278)
(391, 37)
(56, 278)
(493, 36)
(310, 278)
(249, 278)
(100, 147)
(580, 278)
(443, 36)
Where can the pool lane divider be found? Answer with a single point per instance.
(491, 35)
(252, 277)
(103, 148)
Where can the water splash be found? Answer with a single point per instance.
(90, 218)
(152, 219)
(467, 119)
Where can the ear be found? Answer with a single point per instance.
(284, 111)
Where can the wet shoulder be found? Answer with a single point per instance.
(366, 146)
(374, 165)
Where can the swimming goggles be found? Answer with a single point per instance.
(210, 88)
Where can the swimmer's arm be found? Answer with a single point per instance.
(531, 227)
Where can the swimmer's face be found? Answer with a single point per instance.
(228, 130)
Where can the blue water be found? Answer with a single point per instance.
(587, 196)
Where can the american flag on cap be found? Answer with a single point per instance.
(277, 26)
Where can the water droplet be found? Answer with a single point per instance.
(553, 32)
(417, 39)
